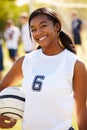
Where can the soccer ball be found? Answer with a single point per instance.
(12, 101)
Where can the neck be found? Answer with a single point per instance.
(53, 50)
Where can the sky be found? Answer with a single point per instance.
(21, 2)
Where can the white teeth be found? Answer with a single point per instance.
(42, 38)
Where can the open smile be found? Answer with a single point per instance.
(42, 38)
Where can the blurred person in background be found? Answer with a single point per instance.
(77, 25)
(28, 45)
(12, 36)
(76, 28)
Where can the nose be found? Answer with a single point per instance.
(38, 32)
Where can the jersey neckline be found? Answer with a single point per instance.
(52, 56)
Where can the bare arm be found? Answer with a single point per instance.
(14, 75)
(80, 92)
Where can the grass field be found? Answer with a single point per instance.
(8, 64)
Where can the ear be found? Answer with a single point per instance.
(57, 27)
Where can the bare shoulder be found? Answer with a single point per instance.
(19, 61)
(80, 77)
(80, 66)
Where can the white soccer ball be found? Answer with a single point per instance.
(12, 102)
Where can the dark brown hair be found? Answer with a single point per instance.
(64, 38)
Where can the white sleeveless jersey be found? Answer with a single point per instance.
(48, 88)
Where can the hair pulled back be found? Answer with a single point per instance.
(64, 38)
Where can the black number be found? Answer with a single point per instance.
(37, 84)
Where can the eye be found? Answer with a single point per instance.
(33, 30)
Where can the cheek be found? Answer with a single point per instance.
(52, 29)
(33, 35)
(52, 32)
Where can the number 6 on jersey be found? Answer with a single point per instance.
(37, 84)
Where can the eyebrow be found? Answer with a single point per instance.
(40, 23)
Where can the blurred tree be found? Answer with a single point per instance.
(8, 9)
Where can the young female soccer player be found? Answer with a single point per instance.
(54, 79)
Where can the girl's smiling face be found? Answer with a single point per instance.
(44, 31)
